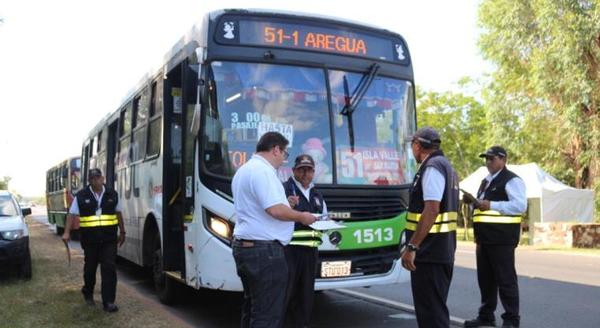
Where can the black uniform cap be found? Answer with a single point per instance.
(494, 151)
(95, 172)
(304, 161)
(427, 135)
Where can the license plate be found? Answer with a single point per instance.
(335, 269)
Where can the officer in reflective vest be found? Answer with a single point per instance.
(99, 214)
(301, 253)
(497, 226)
(431, 230)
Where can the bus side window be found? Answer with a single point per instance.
(125, 140)
(64, 175)
(154, 125)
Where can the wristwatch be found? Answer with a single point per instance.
(412, 247)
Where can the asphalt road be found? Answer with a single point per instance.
(557, 290)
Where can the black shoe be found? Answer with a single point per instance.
(477, 322)
(509, 325)
(111, 307)
(89, 299)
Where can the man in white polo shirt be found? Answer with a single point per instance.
(265, 223)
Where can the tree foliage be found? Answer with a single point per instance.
(4, 183)
(460, 120)
(544, 96)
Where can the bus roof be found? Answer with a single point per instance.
(103, 122)
(63, 162)
(301, 15)
(197, 37)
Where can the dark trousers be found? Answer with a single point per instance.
(105, 254)
(496, 273)
(430, 285)
(302, 265)
(264, 274)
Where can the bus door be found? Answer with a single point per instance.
(178, 177)
(190, 77)
(173, 185)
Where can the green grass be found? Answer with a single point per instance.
(52, 298)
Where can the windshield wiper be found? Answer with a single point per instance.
(352, 101)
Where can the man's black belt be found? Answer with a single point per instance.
(251, 243)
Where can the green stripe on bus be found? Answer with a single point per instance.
(370, 234)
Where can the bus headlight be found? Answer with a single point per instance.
(12, 234)
(218, 226)
(221, 228)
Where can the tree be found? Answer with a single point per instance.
(544, 96)
(4, 183)
(460, 120)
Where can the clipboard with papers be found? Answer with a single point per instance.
(470, 198)
(323, 223)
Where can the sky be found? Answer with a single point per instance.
(66, 64)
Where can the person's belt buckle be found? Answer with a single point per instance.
(246, 243)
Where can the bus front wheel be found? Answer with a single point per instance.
(165, 287)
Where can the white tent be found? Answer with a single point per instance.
(557, 201)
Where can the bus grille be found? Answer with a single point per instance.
(365, 261)
(362, 204)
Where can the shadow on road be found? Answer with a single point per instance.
(220, 309)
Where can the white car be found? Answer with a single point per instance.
(14, 236)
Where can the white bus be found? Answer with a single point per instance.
(340, 91)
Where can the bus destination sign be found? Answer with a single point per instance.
(342, 41)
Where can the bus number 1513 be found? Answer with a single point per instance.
(374, 235)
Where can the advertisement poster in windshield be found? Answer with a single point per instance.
(373, 166)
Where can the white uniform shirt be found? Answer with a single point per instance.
(433, 184)
(75, 207)
(255, 188)
(517, 197)
(306, 193)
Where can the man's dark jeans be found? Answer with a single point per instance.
(105, 254)
(263, 270)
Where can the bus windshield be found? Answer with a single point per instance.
(381, 123)
(249, 99)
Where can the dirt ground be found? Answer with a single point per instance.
(52, 298)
